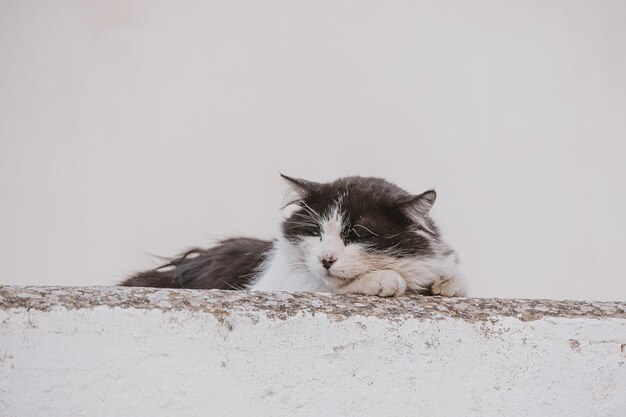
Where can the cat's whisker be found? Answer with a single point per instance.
(360, 225)
(305, 215)
(310, 210)
(301, 224)
(307, 219)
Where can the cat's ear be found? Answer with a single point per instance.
(420, 204)
(299, 186)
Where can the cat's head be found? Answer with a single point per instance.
(357, 224)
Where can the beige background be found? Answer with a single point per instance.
(130, 128)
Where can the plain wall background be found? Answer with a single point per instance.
(130, 128)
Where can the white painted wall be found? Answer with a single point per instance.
(134, 127)
(239, 359)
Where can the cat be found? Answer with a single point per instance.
(359, 235)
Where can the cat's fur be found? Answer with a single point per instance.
(353, 235)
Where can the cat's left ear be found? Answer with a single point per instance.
(300, 186)
(420, 204)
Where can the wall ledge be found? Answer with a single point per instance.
(283, 305)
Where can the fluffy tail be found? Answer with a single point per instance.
(231, 264)
(165, 276)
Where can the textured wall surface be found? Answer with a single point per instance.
(144, 352)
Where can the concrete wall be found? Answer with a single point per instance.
(135, 127)
(141, 352)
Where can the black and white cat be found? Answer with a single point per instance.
(353, 235)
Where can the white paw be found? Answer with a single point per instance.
(447, 287)
(380, 283)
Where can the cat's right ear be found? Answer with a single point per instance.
(301, 187)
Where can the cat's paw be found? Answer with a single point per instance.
(381, 283)
(447, 287)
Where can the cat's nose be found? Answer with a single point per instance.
(327, 262)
